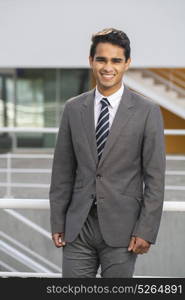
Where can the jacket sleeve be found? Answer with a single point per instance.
(63, 174)
(153, 165)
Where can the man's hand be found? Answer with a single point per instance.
(138, 245)
(58, 239)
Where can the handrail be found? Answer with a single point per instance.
(46, 186)
(22, 258)
(7, 267)
(55, 130)
(29, 129)
(29, 223)
(44, 204)
(175, 157)
(174, 131)
(168, 83)
(29, 251)
(29, 170)
(15, 155)
(48, 171)
(50, 156)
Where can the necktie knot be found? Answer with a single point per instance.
(104, 102)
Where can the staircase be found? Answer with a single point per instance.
(154, 86)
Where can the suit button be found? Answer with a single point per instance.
(98, 176)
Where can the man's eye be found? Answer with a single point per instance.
(100, 59)
(117, 61)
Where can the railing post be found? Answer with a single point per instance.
(9, 176)
(14, 142)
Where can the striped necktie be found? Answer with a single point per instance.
(102, 128)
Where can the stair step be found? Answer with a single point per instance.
(135, 74)
(148, 81)
(135, 78)
(172, 94)
(160, 88)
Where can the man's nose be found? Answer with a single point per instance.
(108, 67)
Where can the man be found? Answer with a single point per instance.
(107, 186)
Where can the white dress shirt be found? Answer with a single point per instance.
(114, 101)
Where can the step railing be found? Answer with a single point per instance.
(169, 84)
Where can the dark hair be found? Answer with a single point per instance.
(113, 36)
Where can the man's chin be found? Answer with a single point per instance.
(107, 86)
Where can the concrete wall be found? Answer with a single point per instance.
(57, 33)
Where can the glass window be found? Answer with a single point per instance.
(40, 97)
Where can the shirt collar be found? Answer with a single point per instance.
(114, 99)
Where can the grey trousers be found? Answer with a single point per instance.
(89, 252)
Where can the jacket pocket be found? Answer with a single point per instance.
(139, 199)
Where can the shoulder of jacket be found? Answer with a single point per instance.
(77, 99)
(144, 101)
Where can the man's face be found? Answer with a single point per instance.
(108, 66)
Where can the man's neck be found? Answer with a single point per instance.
(108, 92)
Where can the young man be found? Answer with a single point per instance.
(107, 186)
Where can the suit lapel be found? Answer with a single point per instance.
(121, 118)
(87, 113)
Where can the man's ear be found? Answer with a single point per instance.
(127, 64)
(90, 60)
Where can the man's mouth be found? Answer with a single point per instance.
(108, 76)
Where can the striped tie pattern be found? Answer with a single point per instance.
(102, 128)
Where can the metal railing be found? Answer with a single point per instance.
(51, 130)
(44, 204)
(8, 204)
(9, 184)
(55, 130)
(28, 252)
(165, 81)
(9, 170)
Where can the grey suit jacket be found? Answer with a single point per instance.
(128, 182)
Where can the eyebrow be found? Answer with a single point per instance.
(114, 59)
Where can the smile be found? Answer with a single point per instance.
(108, 76)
